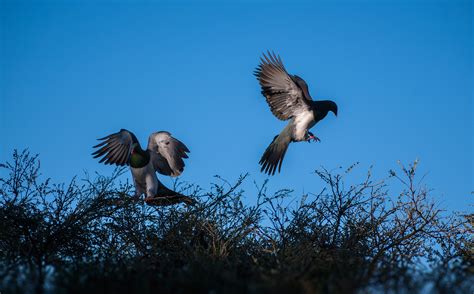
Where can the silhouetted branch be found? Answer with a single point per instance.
(91, 235)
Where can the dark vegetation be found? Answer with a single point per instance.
(90, 236)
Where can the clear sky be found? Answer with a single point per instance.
(400, 71)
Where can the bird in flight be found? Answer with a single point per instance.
(164, 154)
(289, 99)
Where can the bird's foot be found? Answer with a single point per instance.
(149, 199)
(311, 136)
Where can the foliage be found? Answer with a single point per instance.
(90, 235)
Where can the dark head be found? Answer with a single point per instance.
(324, 106)
(135, 148)
(332, 106)
(138, 157)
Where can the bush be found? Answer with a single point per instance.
(90, 235)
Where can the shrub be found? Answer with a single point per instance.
(90, 235)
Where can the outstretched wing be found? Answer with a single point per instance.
(115, 148)
(167, 153)
(286, 95)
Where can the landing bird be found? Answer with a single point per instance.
(289, 99)
(164, 154)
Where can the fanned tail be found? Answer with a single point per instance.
(275, 152)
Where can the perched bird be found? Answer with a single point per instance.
(164, 154)
(289, 99)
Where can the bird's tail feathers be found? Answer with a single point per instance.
(165, 197)
(275, 152)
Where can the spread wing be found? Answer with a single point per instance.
(286, 95)
(115, 148)
(167, 153)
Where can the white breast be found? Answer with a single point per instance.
(145, 179)
(303, 122)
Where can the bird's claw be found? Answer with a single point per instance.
(313, 137)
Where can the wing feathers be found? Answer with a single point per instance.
(167, 153)
(115, 148)
(283, 95)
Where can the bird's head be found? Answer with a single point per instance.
(135, 148)
(332, 106)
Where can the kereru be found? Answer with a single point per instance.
(164, 154)
(289, 99)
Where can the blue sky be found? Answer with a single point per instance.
(400, 71)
